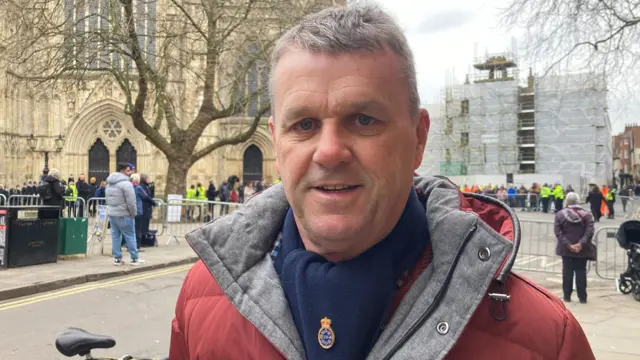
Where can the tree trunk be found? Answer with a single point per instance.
(177, 176)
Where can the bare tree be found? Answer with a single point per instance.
(594, 35)
(157, 56)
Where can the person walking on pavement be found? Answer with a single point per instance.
(574, 229)
(611, 200)
(352, 255)
(625, 193)
(595, 199)
(121, 200)
(545, 192)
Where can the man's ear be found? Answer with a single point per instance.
(272, 129)
(422, 131)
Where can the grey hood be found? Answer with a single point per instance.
(236, 250)
(116, 178)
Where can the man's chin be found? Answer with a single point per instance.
(335, 227)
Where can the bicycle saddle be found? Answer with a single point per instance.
(76, 341)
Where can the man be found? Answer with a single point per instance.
(545, 192)
(71, 197)
(611, 200)
(350, 257)
(84, 191)
(558, 197)
(121, 200)
(52, 194)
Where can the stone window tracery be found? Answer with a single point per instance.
(112, 129)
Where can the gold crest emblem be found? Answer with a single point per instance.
(326, 336)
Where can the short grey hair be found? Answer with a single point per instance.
(135, 178)
(143, 178)
(345, 29)
(55, 173)
(572, 199)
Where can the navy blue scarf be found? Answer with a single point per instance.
(355, 295)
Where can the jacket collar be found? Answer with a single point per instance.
(465, 234)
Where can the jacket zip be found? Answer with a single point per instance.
(438, 298)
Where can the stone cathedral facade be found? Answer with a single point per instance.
(98, 134)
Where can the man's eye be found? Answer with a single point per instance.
(305, 125)
(364, 120)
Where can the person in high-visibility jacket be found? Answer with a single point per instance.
(545, 192)
(201, 192)
(558, 196)
(611, 200)
(71, 198)
(191, 195)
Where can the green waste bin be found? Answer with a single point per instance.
(72, 236)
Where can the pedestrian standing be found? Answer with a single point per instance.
(121, 200)
(574, 231)
(595, 199)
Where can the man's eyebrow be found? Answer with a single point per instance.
(296, 112)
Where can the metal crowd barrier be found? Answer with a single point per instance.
(612, 259)
(182, 217)
(629, 206)
(24, 200)
(526, 202)
(3, 199)
(538, 248)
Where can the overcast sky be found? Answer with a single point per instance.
(445, 34)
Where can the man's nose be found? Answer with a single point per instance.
(333, 148)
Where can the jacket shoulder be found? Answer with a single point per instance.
(208, 326)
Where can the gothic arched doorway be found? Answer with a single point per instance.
(252, 164)
(98, 161)
(126, 153)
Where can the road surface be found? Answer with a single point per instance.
(136, 310)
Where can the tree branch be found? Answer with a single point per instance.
(232, 140)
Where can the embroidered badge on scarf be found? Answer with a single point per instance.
(326, 337)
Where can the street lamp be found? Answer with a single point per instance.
(32, 141)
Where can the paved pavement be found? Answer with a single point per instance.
(538, 244)
(136, 310)
(78, 270)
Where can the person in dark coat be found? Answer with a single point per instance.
(56, 190)
(84, 192)
(574, 229)
(144, 194)
(595, 201)
(211, 196)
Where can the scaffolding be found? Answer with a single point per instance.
(572, 127)
(476, 131)
(489, 125)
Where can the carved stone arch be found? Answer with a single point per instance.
(82, 132)
(263, 141)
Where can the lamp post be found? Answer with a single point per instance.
(32, 141)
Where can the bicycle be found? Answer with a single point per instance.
(78, 342)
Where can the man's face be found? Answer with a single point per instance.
(81, 178)
(344, 121)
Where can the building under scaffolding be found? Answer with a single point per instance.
(490, 125)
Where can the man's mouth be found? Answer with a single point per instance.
(336, 188)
